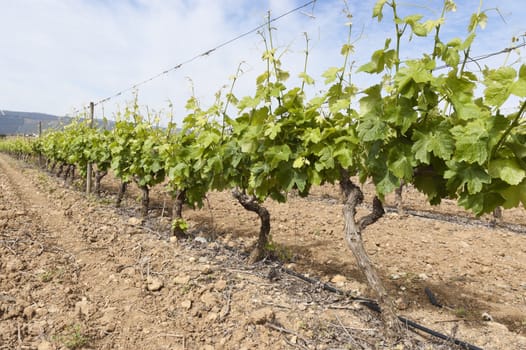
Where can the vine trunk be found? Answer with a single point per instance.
(120, 195)
(177, 213)
(353, 196)
(252, 204)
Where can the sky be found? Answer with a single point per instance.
(58, 55)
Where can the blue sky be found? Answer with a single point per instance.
(59, 55)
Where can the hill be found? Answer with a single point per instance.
(23, 123)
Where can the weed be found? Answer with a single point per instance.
(279, 251)
(46, 276)
(186, 288)
(72, 338)
(179, 224)
(461, 312)
(49, 275)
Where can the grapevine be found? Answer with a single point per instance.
(418, 126)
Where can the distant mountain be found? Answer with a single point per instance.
(27, 123)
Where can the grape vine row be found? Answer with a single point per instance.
(417, 126)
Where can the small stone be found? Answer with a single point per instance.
(208, 299)
(45, 345)
(187, 304)
(154, 284)
(291, 266)
(14, 265)
(487, 317)
(29, 312)
(294, 339)
(212, 316)
(423, 276)
(53, 309)
(395, 276)
(41, 311)
(401, 304)
(220, 285)
(464, 244)
(206, 269)
(201, 240)
(339, 279)
(261, 316)
(174, 239)
(182, 279)
(110, 327)
(82, 308)
(128, 271)
(134, 221)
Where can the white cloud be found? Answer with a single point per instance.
(58, 55)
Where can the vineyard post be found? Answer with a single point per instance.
(88, 175)
(39, 139)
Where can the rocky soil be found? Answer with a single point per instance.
(75, 273)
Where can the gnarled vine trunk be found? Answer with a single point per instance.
(145, 200)
(120, 195)
(69, 173)
(98, 177)
(353, 196)
(497, 214)
(252, 204)
(60, 169)
(177, 213)
(399, 200)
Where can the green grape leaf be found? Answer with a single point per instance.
(518, 88)
(480, 203)
(372, 128)
(277, 154)
(300, 180)
(508, 170)
(471, 176)
(386, 184)
(514, 195)
(306, 78)
(498, 83)
(401, 161)
(331, 74)
(428, 181)
(438, 142)
(471, 142)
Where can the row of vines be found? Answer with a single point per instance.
(440, 131)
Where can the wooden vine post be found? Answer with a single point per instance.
(89, 168)
(40, 140)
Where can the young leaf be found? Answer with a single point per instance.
(378, 9)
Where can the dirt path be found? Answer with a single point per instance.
(74, 273)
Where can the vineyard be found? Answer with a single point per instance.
(183, 241)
